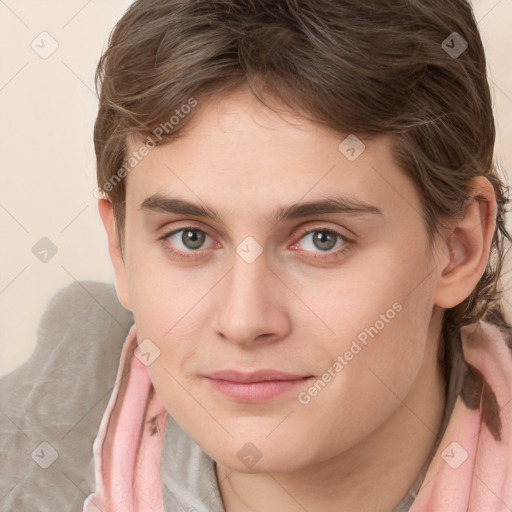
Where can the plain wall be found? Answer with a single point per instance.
(48, 107)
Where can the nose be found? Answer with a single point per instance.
(251, 307)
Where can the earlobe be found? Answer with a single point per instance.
(468, 246)
(106, 211)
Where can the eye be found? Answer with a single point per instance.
(323, 241)
(189, 243)
(188, 240)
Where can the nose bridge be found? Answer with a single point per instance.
(246, 286)
(249, 307)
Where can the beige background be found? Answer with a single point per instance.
(47, 110)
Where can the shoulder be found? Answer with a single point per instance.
(80, 333)
(57, 398)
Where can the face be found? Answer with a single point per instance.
(276, 323)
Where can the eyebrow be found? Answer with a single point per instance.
(340, 204)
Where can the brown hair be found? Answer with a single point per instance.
(366, 68)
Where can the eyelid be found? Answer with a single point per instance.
(322, 227)
(188, 224)
(187, 227)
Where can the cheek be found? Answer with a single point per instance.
(381, 291)
(375, 376)
(162, 295)
(380, 323)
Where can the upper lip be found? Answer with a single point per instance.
(255, 376)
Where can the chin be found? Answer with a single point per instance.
(260, 457)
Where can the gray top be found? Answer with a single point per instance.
(51, 407)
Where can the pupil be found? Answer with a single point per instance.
(192, 239)
(324, 240)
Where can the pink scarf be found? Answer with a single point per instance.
(128, 447)
(482, 482)
(470, 472)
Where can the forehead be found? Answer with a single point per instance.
(238, 154)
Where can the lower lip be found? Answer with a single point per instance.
(255, 391)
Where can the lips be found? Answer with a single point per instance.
(257, 386)
(257, 376)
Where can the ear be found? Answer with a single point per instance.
(468, 245)
(106, 210)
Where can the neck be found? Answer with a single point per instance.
(374, 475)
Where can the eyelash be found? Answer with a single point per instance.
(347, 243)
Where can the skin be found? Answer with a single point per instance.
(361, 441)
